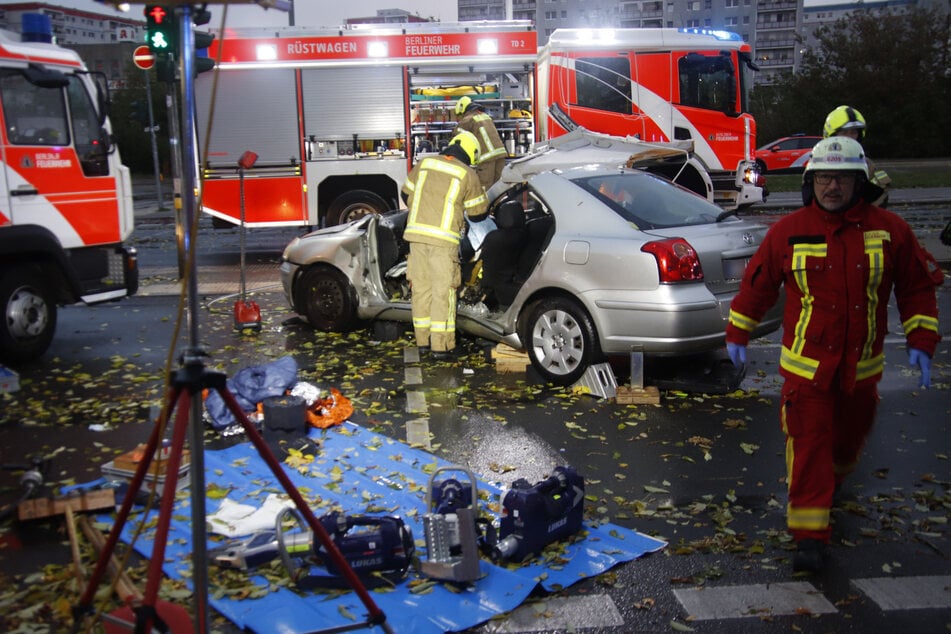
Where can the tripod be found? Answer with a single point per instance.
(184, 398)
(187, 384)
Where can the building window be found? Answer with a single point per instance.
(692, 24)
(731, 21)
(693, 5)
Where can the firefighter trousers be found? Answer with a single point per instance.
(825, 432)
(434, 275)
(490, 172)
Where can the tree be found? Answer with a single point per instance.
(893, 67)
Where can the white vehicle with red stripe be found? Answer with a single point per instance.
(660, 85)
(65, 197)
(338, 117)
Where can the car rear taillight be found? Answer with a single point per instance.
(676, 260)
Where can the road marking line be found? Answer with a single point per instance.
(907, 593)
(417, 433)
(413, 375)
(561, 614)
(759, 600)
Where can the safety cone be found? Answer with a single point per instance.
(247, 314)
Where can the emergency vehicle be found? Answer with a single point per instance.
(338, 117)
(65, 197)
(658, 85)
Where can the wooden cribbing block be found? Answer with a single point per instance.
(48, 507)
(627, 395)
(508, 359)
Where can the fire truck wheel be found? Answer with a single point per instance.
(327, 299)
(29, 314)
(353, 205)
(560, 340)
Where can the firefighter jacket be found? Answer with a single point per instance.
(839, 270)
(439, 190)
(490, 143)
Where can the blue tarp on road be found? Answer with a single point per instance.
(364, 473)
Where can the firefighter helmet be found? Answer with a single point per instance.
(469, 143)
(463, 104)
(844, 118)
(838, 154)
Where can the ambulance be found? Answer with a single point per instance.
(65, 198)
(658, 85)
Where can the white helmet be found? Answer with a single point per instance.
(837, 153)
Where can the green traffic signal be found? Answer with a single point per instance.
(161, 30)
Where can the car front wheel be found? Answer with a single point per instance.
(561, 342)
(327, 299)
(29, 314)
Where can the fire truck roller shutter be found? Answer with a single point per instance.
(369, 109)
(255, 110)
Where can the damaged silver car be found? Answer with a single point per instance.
(583, 263)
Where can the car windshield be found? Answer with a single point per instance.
(648, 201)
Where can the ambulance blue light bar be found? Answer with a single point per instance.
(727, 36)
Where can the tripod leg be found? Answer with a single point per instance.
(376, 615)
(86, 600)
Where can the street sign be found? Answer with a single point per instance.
(143, 57)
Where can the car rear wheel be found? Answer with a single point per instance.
(561, 342)
(29, 314)
(327, 299)
(354, 205)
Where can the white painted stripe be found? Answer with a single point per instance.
(417, 433)
(907, 593)
(731, 602)
(411, 354)
(413, 375)
(561, 614)
(416, 402)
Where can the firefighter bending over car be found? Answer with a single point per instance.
(439, 192)
(839, 259)
(492, 153)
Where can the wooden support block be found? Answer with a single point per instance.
(627, 395)
(508, 359)
(129, 461)
(48, 507)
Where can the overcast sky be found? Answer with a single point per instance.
(306, 13)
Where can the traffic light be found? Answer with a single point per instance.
(203, 62)
(139, 112)
(162, 30)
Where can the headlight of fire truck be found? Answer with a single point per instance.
(747, 173)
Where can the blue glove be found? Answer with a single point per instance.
(737, 354)
(921, 359)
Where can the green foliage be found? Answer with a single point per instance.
(131, 136)
(891, 66)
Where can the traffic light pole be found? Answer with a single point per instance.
(155, 158)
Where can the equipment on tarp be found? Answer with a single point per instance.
(247, 313)
(534, 516)
(184, 398)
(369, 544)
(452, 547)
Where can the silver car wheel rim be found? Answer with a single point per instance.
(27, 314)
(558, 341)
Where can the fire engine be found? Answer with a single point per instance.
(657, 85)
(65, 198)
(339, 116)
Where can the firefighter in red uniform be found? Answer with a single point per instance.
(839, 258)
(492, 151)
(439, 192)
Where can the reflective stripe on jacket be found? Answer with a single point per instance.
(440, 190)
(482, 126)
(838, 271)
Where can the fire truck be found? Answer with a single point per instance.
(657, 85)
(338, 117)
(65, 198)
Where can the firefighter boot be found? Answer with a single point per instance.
(810, 556)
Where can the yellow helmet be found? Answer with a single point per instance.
(463, 104)
(469, 143)
(844, 118)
